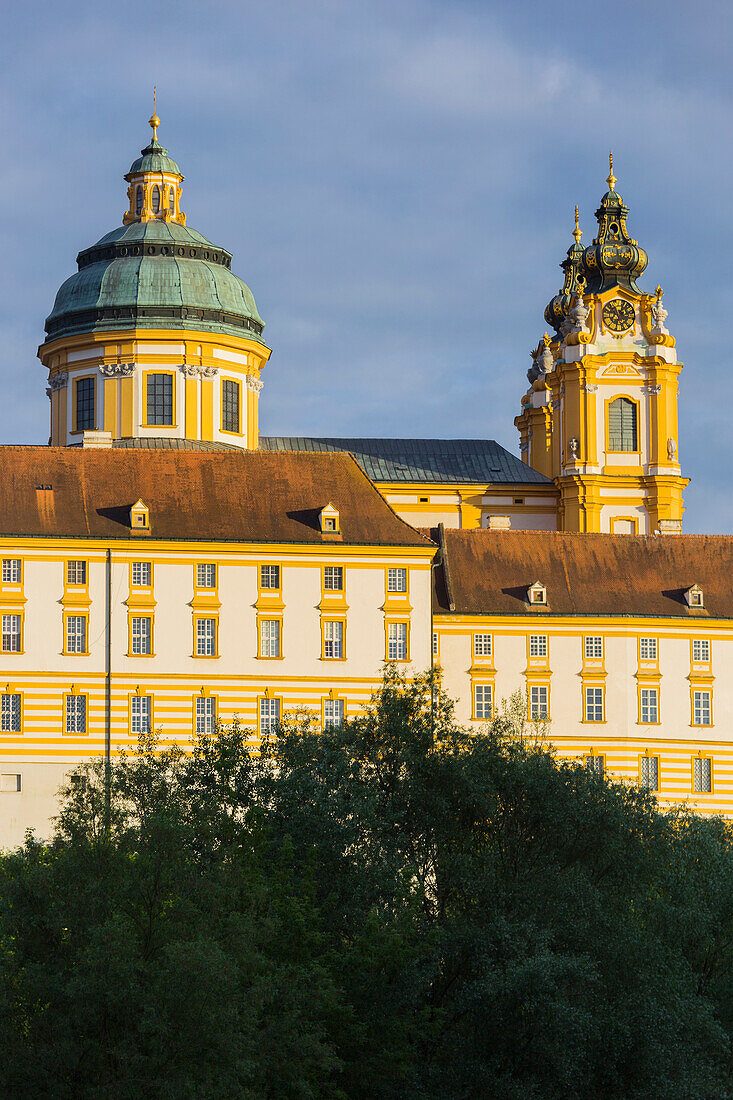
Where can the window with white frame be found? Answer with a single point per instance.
(76, 572)
(141, 574)
(701, 708)
(397, 642)
(269, 715)
(397, 580)
(538, 703)
(595, 764)
(482, 701)
(11, 633)
(10, 713)
(76, 714)
(649, 773)
(269, 576)
(333, 578)
(205, 575)
(538, 645)
(435, 644)
(333, 639)
(206, 637)
(594, 704)
(593, 647)
(141, 711)
(159, 394)
(702, 769)
(140, 635)
(230, 405)
(205, 714)
(333, 713)
(11, 570)
(649, 700)
(648, 649)
(701, 650)
(482, 645)
(76, 634)
(269, 637)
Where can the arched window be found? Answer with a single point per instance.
(156, 199)
(622, 426)
(171, 201)
(139, 201)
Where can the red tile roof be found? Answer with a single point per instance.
(241, 496)
(488, 572)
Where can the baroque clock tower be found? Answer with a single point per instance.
(600, 416)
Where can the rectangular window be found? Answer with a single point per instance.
(701, 708)
(701, 650)
(269, 637)
(76, 572)
(649, 773)
(270, 576)
(333, 578)
(622, 428)
(141, 713)
(11, 633)
(649, 706)
(538, 645)
(76, 634)
(648, 649)
(333, 713)
(140, 635)
(333, 639)
(230, 406)
(76, 714)
(11, 570)
(396, 580)
(160, 398)
(269, 715)
(482, 701)
(141, 574)
(594, 764)
(482, 645)
(205, 575)
(594, 704)
(85, 404)
(702, 767)
(435, 645)
(10, 781)
(538, 703)
(205, 714)
(206, 637)
(397, 642)
(594, 648)
(10, 713)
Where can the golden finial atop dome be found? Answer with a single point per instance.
(154, 121)
(659, 292)
(610, 178)
(577, 232)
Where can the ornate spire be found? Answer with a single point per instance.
(154, 121)
(614, 258)
(557, 308)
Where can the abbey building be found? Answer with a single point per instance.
(166, 567)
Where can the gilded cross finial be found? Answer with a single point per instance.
(546, 340)
(154, 121)
(610, 178)
(577, 232)
(659, 292)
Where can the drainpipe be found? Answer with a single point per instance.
(108, 690)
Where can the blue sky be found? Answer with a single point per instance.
(396, 182)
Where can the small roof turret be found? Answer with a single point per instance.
(557, 308)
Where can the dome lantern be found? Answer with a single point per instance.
(614, 258)
(155, 183)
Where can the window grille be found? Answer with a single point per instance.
(435, 645)
(11, 633)
(141, 574)
(482, 701)
(84, 404)
(703, 773)
(76, 572)
(396, 580)
(205, 575)
(333, 713)
(594, 648)
(76, 714)
(270, 637)
(156, 200)
(538, 645)
(230, 406)
(10, 713)
(333, 639)
(333, 578)
(269, 576)
(397, 642)
(159, 389)
(482, 645)
(138, 201)
(649, 773)
(76, 634)
(206, 637)
(205, 714)
(141, 635)
(269, 715)
(11, 570)
(594, 704)
(141, 713)
(622, 427)
(538, 703)
(701, 708)
(648, 649)
(701, 650)
(594, 764)
(649, 705)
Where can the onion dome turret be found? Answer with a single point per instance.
(614, 258)
(557, 308)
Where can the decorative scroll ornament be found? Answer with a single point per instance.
(58, 381)
(117, 370)
(671, 449)
(253, 384)
(659, 315)
(193, 370)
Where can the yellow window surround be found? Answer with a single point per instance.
(324, 642)
(198, 617)
(9, 689)
(134, 613)
(270, 615)
(77, 613)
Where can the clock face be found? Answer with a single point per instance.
(618, 315)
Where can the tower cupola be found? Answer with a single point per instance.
(614, 258)
(557, 308)
(155, 183)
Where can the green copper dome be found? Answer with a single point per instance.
(154, 274)
(154, 159)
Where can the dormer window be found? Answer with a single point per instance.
(537, 594)
(156, 199)
(140, 517)
(329, 518)
(139, 201)
(694, 596)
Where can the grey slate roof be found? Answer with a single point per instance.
(466, 461)
(170, 443)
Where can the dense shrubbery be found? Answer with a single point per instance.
(394, 909)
